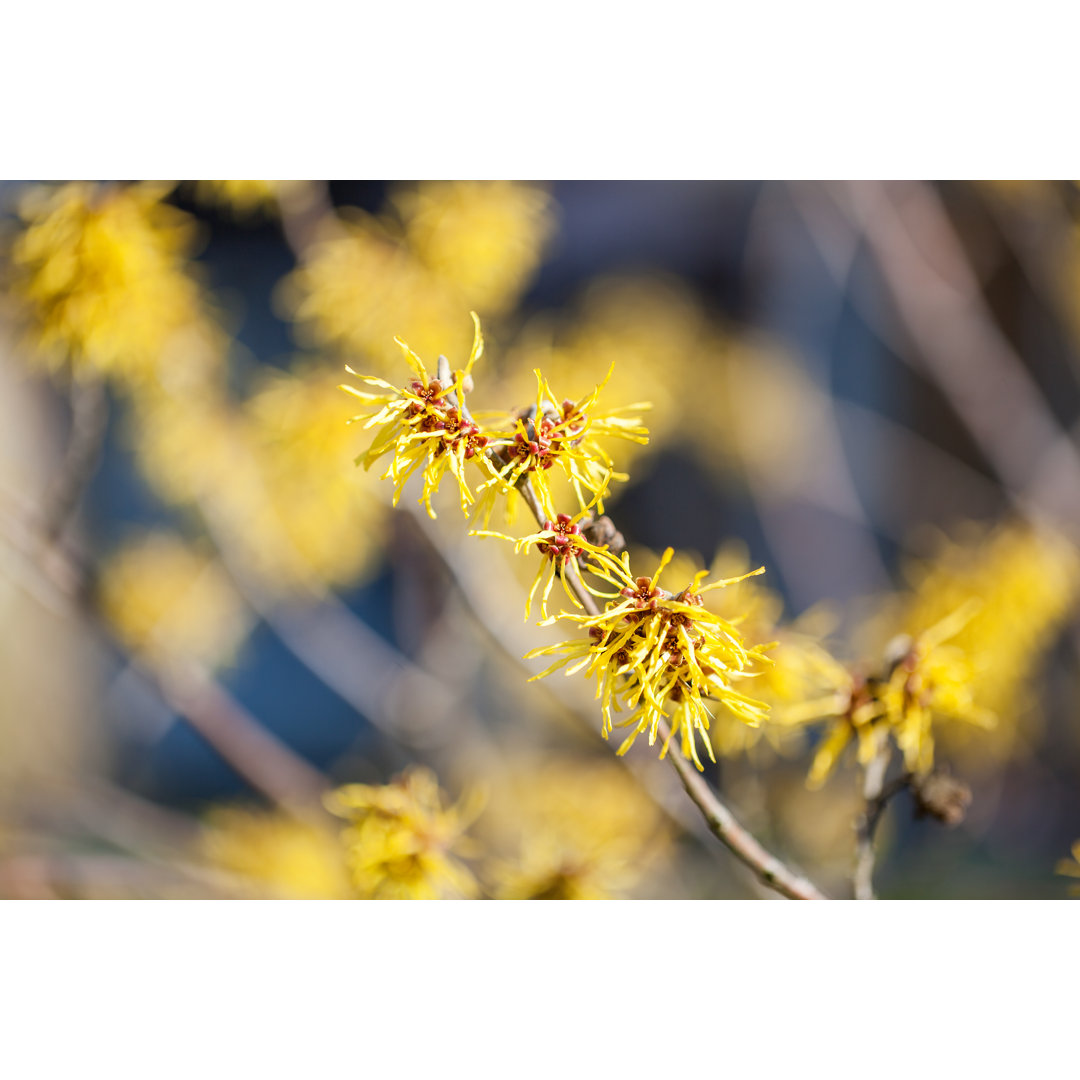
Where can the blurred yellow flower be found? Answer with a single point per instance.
(484, 236)
(569, 829)
(664, 656)
(305, 513)
(244, 199)
(281, 856)
(168, 602)
(402, 843)
(103, 278)
(1026, 582)
(933, 680)
(358, 287)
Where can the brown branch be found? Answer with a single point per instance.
(721, 821)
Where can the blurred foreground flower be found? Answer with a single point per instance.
(485, 236)
(278, 854)
(572, 830)
(402, 843)
(166, 601)
(103, 277)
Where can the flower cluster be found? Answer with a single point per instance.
(928, 680)
(663, 656)
(565, 435)
(425, 424)
(402, 843)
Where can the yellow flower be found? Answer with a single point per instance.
(663, 656)
(285, 857)
(565, 436)
(1071, 868)
(402, 843)
(563, 546)
(168, 602)
(484, 236)
(425, 424)
(568, 829)
(102, 273)
(932, 680)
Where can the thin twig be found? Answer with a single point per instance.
(89, 419)
(874, 800)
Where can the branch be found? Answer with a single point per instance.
(875, 797)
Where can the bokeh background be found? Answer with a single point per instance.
(210, 617)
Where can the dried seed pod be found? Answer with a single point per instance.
(601, 531)
(942, 797)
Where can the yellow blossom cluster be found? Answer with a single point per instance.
(929, 680)
(402, 842)
(278, 855)
(167, 601)
(103, 276)
(663, 656)
(570, 829)
(425, 424)
(980, 614)
(426, 427)
(801, 681)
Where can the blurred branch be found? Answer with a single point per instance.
(830, 486)
(257, 755)
(350, 658)
(89, 419)
(937, 298)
